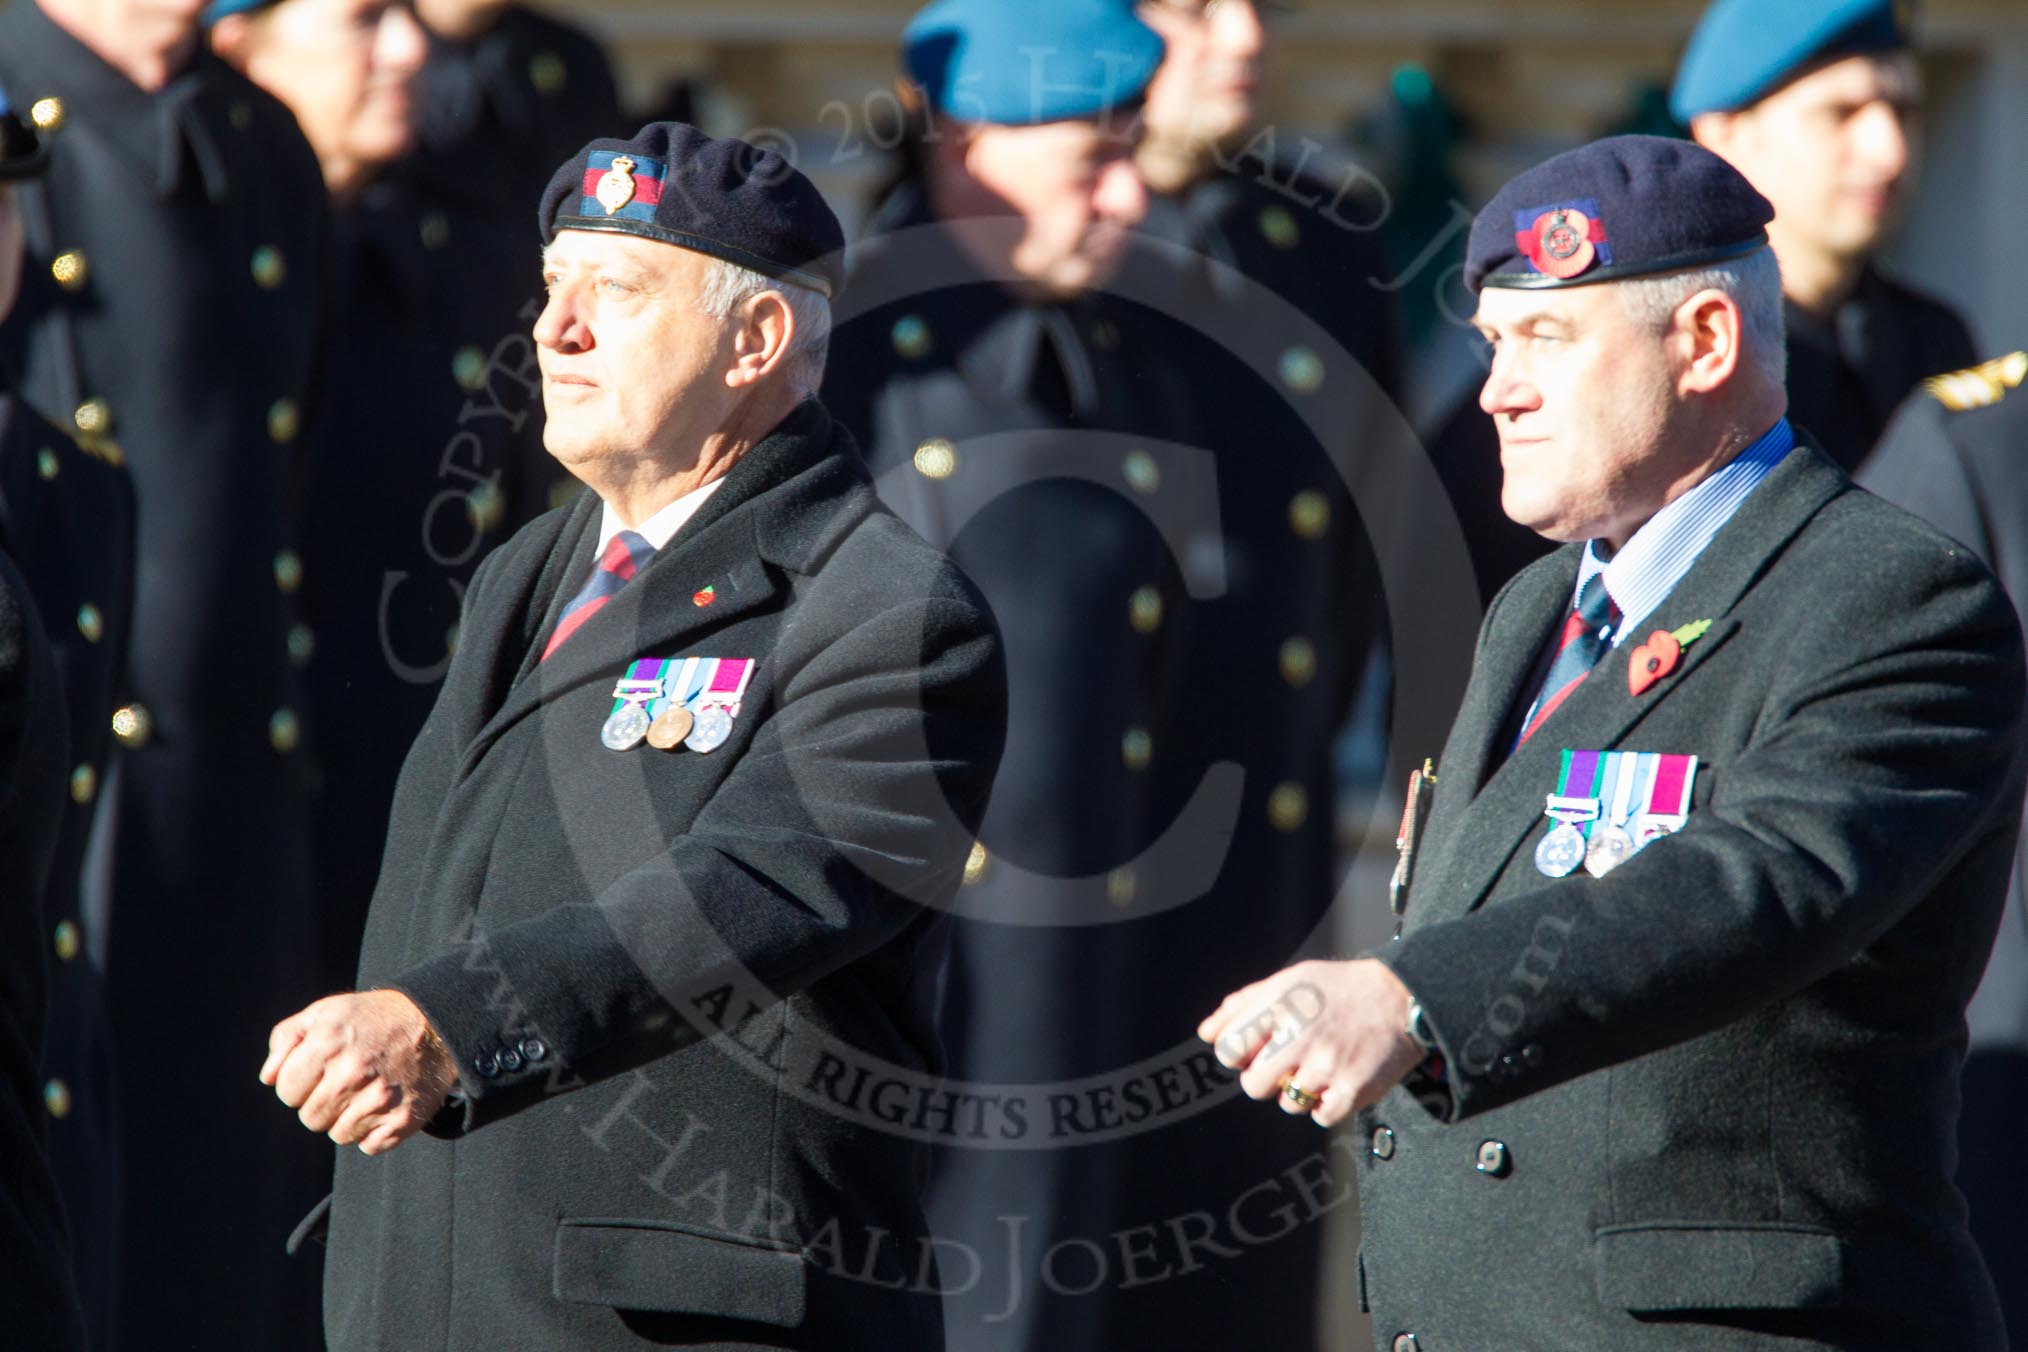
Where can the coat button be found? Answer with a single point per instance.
(534, 1048)
(468, 367)
(548, 74)
(284, 421)
(94, 417)
(46, 463)
(1144, 610)
(1407, 1342)
(1309, 514)
(91, 623)
(1288, 807)
(1122, 886)
(911, 337)
(1299, 661)
(435, 230)
(1302, 370)
(56, 1098)
(84, 784)
(1382, 1145)
(268, 267)
(66, 940)
(1532, 1055)
(1278, 227)
(1137, 748)
(70, 269)
(47, 114)
(133, 726)
(284, 730)
(240, 114)
(936, 459)
(510, 1058)
(288, 571)
(1143, 475)
(486, 1064)
(976, 864)
(302, 644)
(1492, 1161)
(485, 507)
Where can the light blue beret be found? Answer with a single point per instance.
(1020, 64)
(1744, 49)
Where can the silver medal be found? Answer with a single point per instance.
(713, 726)
(1560, 852)
(625, 728)
(1611, 846)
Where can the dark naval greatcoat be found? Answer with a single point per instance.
(1953, 457)
(175, 268)
(574, 920)
(1707, 1101)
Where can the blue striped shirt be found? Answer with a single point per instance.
(1648, 566)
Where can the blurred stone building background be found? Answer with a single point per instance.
(1524, 79)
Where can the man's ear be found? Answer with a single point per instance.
(1711, 329)
(766, 329)
(229, 40)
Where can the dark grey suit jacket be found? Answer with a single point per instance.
(574, 919)
(1722, 1079)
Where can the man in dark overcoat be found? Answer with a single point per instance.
(663, 883)
(169, 316)
(1952, 456)
(1666, 1055)
(1819, 103)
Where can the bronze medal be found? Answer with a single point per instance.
(670, 727)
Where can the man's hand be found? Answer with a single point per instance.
(364, 1068)
(1337, 1029)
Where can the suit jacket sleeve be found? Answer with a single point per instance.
(846, 820)
(1884, 755)
(1917, 467)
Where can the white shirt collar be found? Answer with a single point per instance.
(660, 528)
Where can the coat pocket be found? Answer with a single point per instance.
(657, 1266)
(1657, 1266)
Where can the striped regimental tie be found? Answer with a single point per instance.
(1583, 643)
(626, 554)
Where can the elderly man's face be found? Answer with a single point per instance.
(345, 68)
(1074, 188)
(1207, 89)
(1582, 396)
(630, 364)
(1836, 151)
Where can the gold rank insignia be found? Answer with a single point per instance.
(616, 189)
(1979, 386)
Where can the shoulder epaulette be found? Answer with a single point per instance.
(1978, 386)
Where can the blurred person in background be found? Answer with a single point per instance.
(1952, 456)
(169, 319)
(1819, 104)
(38, 1293)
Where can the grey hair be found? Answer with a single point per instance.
(1755, 285)
(728, 285)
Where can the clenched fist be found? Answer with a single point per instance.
(363, 1068)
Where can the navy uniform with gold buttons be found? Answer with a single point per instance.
(1168, 590)
(1953, 457)
(176, 255)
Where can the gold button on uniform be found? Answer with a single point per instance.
(435, 229)
(1144, 610)
(1288, 807)
(1143, 474)
(84, 784)
(56, 1098)
(90, 623)
(241, 114)
(302, 642)
(268, 267)
(1302, 370)
(284, 731)
(1121, 886)
(288, 571)
(548, 74)
(911, 337)
(94, 417)
(1278, 227)
(66, 941)
(46, 463)
(47, 114)
(70, 269)
(975, 863)
(936, 459)
(485, 507)
(1137, 748)
(1309, 514)
(468, 368)
(132, 726)
(284, 421)
(1299, 661)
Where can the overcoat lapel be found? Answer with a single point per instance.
(1479, 841)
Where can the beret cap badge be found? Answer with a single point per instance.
(616, 188)
(1562, 241)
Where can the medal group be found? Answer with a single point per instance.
(1609, 805)
(677, 702)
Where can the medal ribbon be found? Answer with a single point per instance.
(680, 689)
(641, 684)
(727, 685)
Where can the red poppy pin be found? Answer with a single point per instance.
(705, 597)
(1658, 656)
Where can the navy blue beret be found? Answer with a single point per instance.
(725, 198)
(1021, 64)
(1622, 207)
(22, 152)
(1744, 50)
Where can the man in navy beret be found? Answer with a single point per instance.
(667, 863)
(1819, 104)
(1665, 1054)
